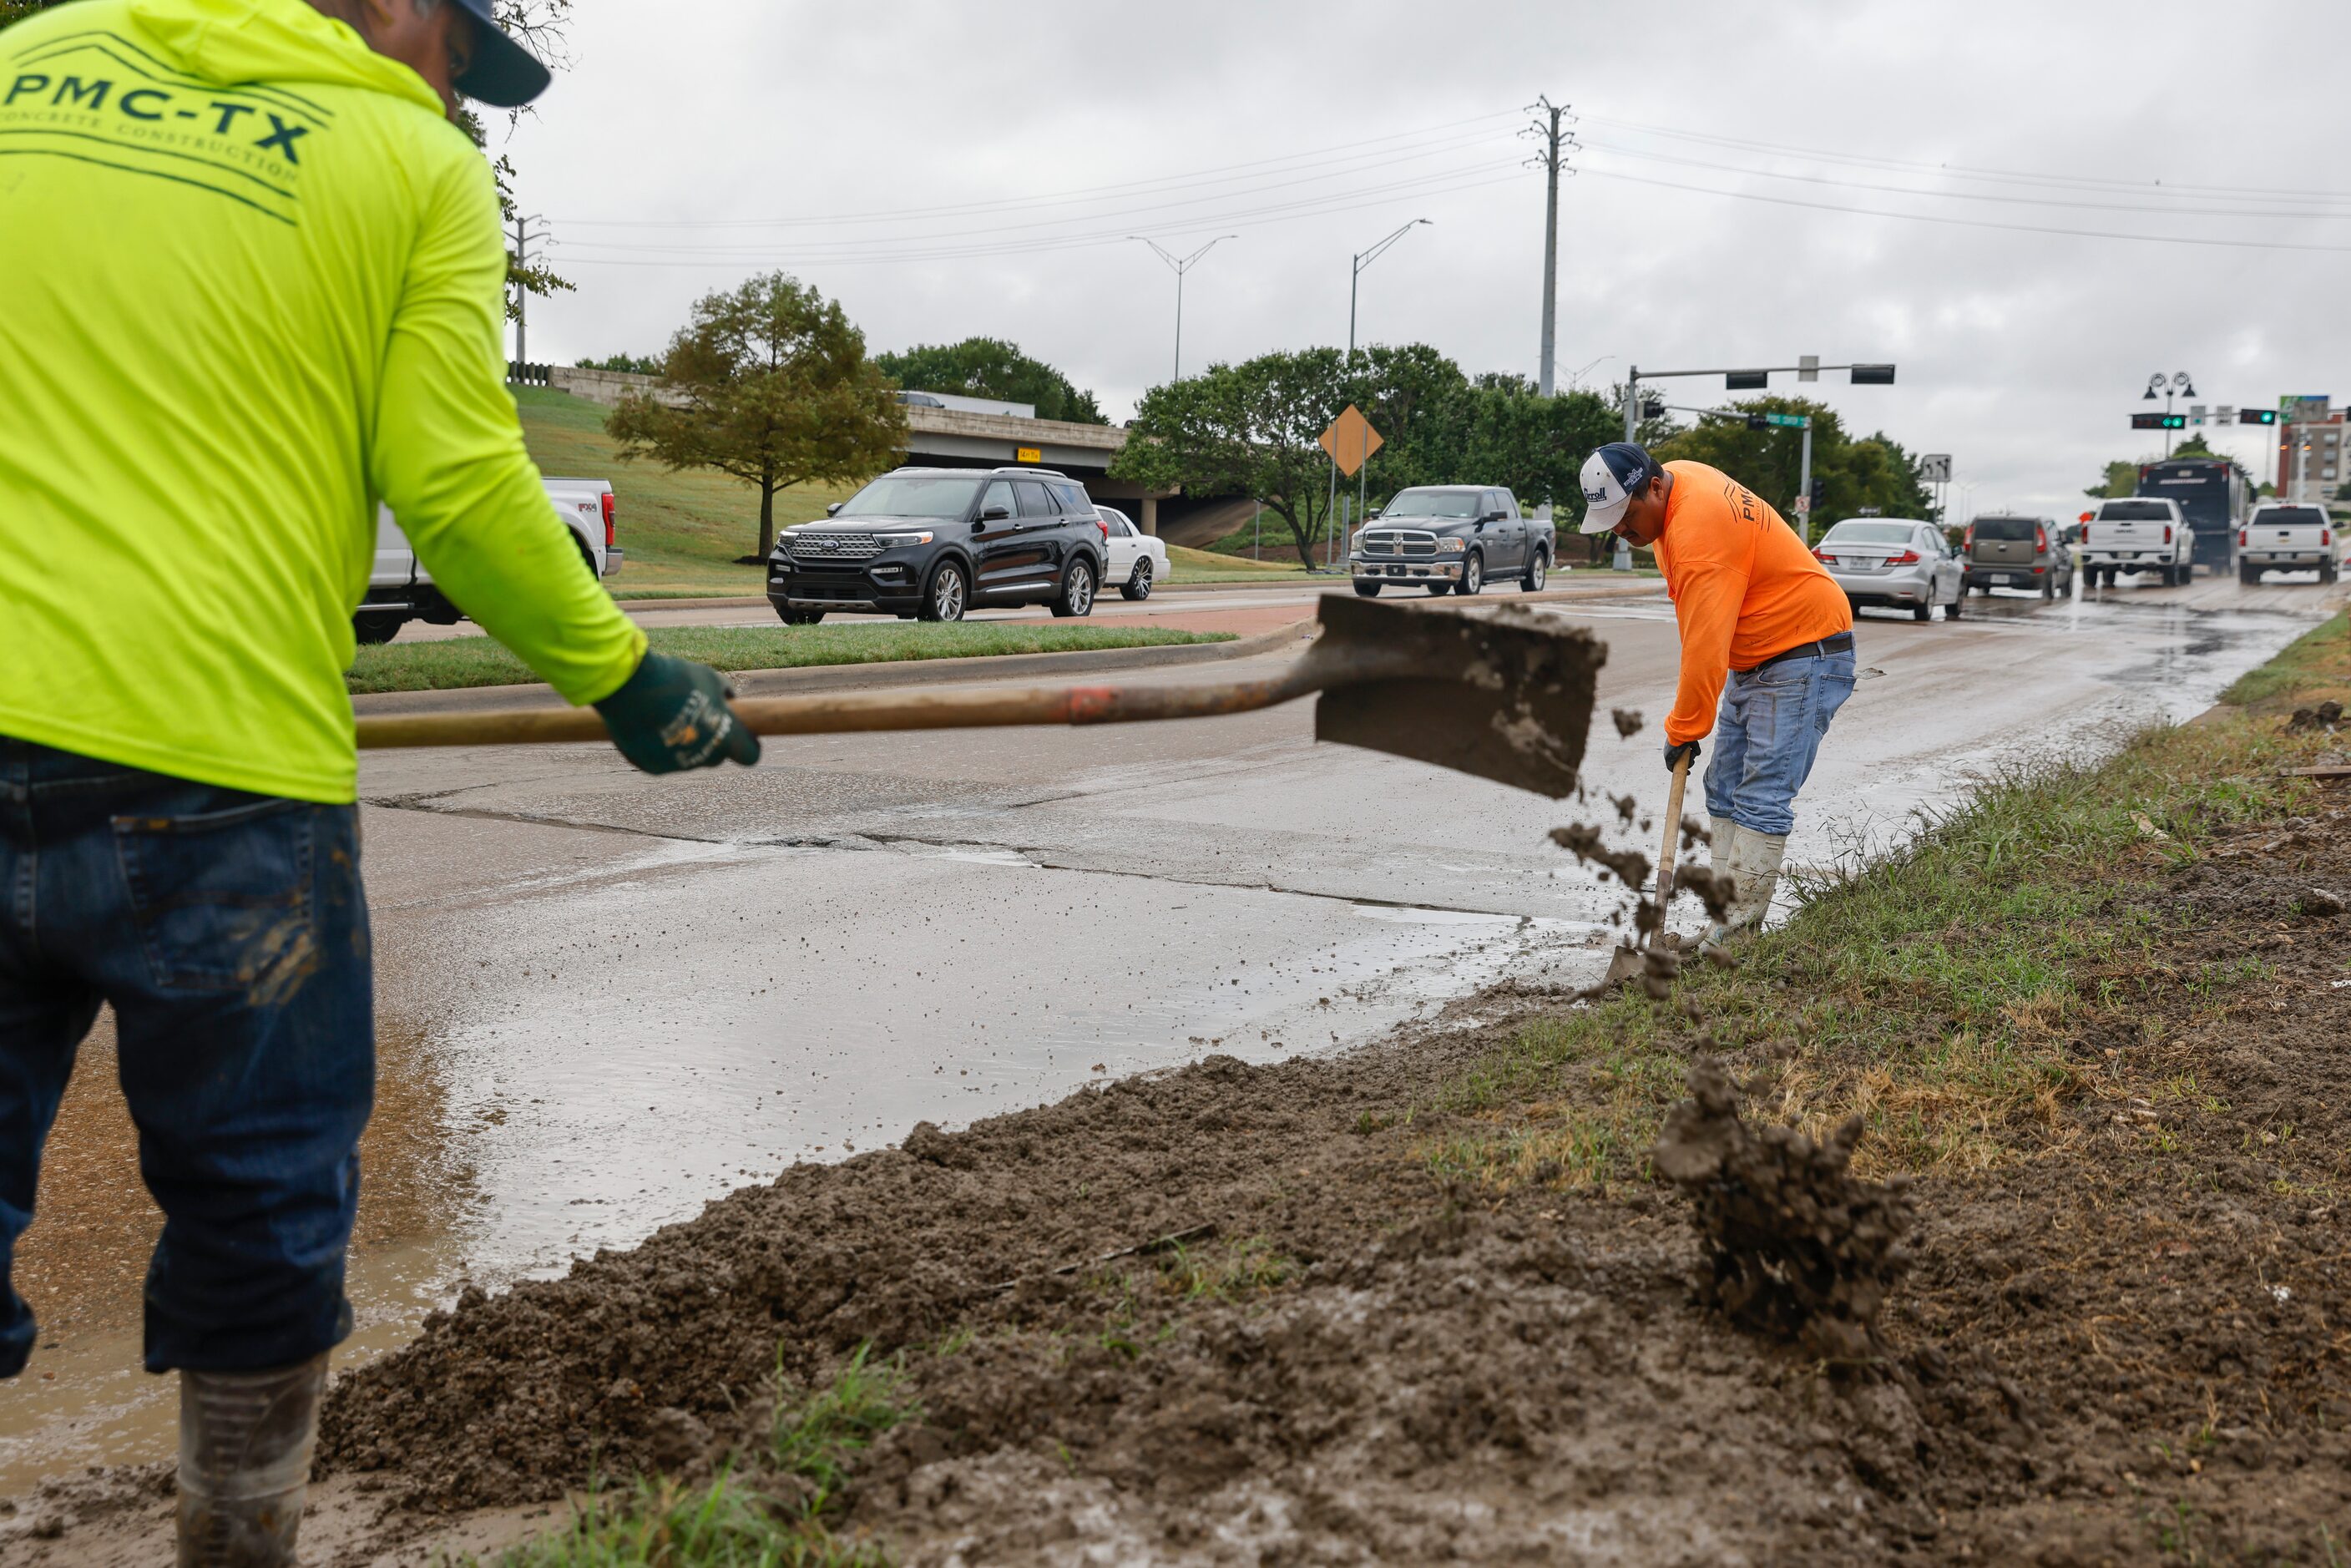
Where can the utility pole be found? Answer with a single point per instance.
(524, 238)
(1181, 266)
(1555, 143)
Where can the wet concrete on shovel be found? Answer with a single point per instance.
(606, 1000)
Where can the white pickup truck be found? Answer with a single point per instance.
(2280, 535)
(2138, 534)
(400, 589)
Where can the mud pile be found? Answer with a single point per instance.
(1790, 1243)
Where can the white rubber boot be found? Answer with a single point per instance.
(245, 1462)
(1759, 855)
(1723, 860)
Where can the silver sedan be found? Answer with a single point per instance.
(1894, 563)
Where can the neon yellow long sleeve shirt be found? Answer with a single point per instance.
(251, 280)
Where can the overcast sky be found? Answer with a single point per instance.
(1011, 148)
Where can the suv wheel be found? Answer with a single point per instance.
(944, 598)
(374, 629)
(1139, 585)
(800, 617)
(1537, 568)
(1473, 576)
(1368, 588)
(1077, 594)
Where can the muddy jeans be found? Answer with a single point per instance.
(230, 935)
(1767, 735)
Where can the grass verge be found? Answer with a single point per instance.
(1933, 991)
(733, 1521)
(458, 661)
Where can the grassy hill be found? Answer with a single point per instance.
(682, 531)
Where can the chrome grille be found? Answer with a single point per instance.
(835, 547)
(1399, 542)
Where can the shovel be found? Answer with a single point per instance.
(1631, 960)
(1506, 697)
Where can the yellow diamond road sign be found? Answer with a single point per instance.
(1351, 440)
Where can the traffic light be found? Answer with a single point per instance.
(2158, 422)
(1820, 489)
(1873, 375)
(1653, 408)
(2257, 416)
(1746, 380)
(1757, 421)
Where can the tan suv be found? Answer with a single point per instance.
(2018, 552)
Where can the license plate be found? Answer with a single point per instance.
(2001, 577)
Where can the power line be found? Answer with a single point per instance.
(1361, 149)
(1966, 223)
(1969, 171)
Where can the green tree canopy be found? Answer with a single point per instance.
(1855, 472)
(991, 368)
(2122, 479)
(630, 364)
(777, 390)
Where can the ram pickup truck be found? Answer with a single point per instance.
(2281, 536)
(2138, 534)
(400, 589)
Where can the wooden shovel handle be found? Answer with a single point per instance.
(1673, 832)
(836, 713)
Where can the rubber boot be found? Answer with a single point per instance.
(1759, 855)
(245, 1460)
(1722, 859)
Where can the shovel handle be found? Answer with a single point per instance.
(1673, 833)
(837, 713)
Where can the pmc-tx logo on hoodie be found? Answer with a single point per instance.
(95, 97)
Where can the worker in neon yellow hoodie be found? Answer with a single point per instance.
(251, 281)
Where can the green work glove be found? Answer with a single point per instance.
(672, 715)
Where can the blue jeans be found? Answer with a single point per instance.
(230, 933)
(1767, 735)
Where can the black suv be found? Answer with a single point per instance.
(1449, 539)
(935, 542)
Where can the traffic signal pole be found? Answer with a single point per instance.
(1805, 481)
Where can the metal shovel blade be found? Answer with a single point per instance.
(1507, 696)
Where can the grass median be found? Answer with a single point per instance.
(458, 661)
(1941, 991)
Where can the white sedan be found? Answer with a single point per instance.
(1132, 559)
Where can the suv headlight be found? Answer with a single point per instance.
(1453, 546)
(894, 542)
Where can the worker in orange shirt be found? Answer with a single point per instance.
(1766, 632)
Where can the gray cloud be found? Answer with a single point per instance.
(2021, 352)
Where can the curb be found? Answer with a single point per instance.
(850, 677)
(1287, 585)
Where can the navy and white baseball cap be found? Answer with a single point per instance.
(1610, 478)
(503, 74)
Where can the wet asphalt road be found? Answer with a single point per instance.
(605, 999)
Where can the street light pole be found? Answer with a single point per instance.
(1180, 266)
(2168, 387)
(1361, 260)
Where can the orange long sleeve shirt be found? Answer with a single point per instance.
(1744, 585)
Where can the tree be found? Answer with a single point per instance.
(1498, 430)
(777, 392)
(2121, 479)
(629, 364)
(1248, 429)
(1853, 474)
(991, 368)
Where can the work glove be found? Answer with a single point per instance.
(672, 715)
(1674, 754)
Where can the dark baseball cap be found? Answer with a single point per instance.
(504, 74)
